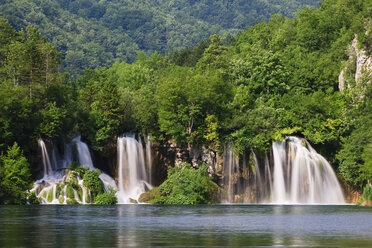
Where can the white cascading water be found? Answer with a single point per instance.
(83, 153)
(133, 180)
(49, 187)
(310, 178)
(47, 166)
(296, 174)
(232, 173)
(279, 153)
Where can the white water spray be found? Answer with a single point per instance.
(133, 180)
(295, 174)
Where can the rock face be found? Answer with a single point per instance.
(169, 154)
(359, 66)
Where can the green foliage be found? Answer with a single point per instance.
(32, 199)
(80, 171)
(74, 183)
(70, 192)
(72, 202)
(92, 181)
(276, 78)
(107, 198)
(355, 155)
(149, 197)
(15, 176)
(186, 185)
(367, 193)
(94, 34)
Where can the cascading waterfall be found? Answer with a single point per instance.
(47, 166)
(295, 174)
(232, 173)
(133, 177)
(83, 153)
(56, 186)
(309, 178)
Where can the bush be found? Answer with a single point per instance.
(80, 171)
(32, 198)
(107, 198)
(186, 185)
(93, 183)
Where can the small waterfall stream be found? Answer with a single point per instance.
(47, 166)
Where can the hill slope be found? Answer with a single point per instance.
(93, 33)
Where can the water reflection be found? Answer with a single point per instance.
(216, 225)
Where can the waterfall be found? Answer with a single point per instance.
(279, 192)
(133, 179)
(295, 174)
(47, 166)
(232, 185)
(309, 177)
(83, 153)
(55, 186)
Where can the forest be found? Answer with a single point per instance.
(92, 34)
(276, 78)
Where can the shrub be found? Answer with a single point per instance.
(186, 185)
(107, 198)
(93, 183)
(74, 183)
(32, 198)
(80, 171)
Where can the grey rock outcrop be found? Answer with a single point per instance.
(359, 66)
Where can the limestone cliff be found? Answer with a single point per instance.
(358, 69)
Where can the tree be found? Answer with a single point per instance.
(15, 176)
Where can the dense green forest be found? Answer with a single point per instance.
(92, 33)
(273, 79)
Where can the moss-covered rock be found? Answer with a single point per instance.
(71, 201)
(148, 197)
(50, 195)
(80, 193)
(70, 192)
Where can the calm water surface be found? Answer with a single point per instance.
(185, 226)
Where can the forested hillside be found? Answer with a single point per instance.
(273, 79)
(93, 33)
